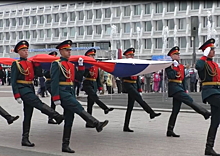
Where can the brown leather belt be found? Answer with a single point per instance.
(211, 83)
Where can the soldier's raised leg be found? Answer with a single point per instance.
(10, 119)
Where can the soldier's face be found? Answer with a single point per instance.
(211, 53)
(175, 57)
(92, 56)
(23, 53)
(65, 53)
(130, 56)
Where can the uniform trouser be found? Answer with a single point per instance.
(213, 100)
(77, 86)
(134, 95)
(178, 98)
(93, 98)
(52, 105)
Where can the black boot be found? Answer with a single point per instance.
(51, 121)
(127, 121)
(89, 125)
(66, 140)
(149, 110)
(25, 136)
(93, 121)
(199, 109)
(210, 143)
(170, 132)
(52, 113)
(108, 110)
(10, 119)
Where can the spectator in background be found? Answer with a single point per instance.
(192, 80)
(42, 86)
(187, 78)
(156, 80)
(9, 76)
(148, 82)
(118, 84)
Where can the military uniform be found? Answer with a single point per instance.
(62, 89)
(132, 86)
(209, 73)
(23, 72)
(91, 84)
(48, 87)
(176, 89)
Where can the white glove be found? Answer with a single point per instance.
(19, 100)
(58, 102)
(206, 51)
(80, 61)
(140, 93)
(175, 63)
(100, 92)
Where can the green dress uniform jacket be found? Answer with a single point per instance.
(204, 67)
(176, 79)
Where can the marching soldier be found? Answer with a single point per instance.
(90, 85)
(209, 73)
(131, 85)
(63, 93)
(176, 89)
(23, 72)
(48, 87)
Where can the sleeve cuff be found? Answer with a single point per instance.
(139, 90)
(203, 58)
(100, 88)
(36, 64)
(55, 98)
(81, 67)
(17, 95)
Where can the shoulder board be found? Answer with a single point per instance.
(57, 60)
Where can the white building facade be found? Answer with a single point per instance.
(89, 24)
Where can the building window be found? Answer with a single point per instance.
(159, 7)
(49, 19)
(170, 6)
(72, 16)
(137, 9)
(98, 29)
(13, 22)
(127, 11)
(27, 21)
(27, 34)
(148, 44)
(148, 26)
(204, 22)
(1, 23)
(34, 34)
(103, 45)
(89, 30)
(64, 32)
(13, 35)
(208, 4)
(56, 17)
(170, 24)
(158, 43)
(159, 25)
(34, 19)
(127, 44)
(98, 14)
(107, 13)
(107, 29)
(72, 31)
(195, 5)
(182, 42)
(41, 19)
(117, 12)
(48, 32)
(147, 8)
(127, 27)
(81, 15)
(217, 21)
(170, 42)
(20, 21)
(7, 23)
(56, 32)
(81, 31)
(41, 32)
(89, 14)
(1, 36)
(136, 24)
(7, 36)
(182, 5)
(182, 23)
(64, 17)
